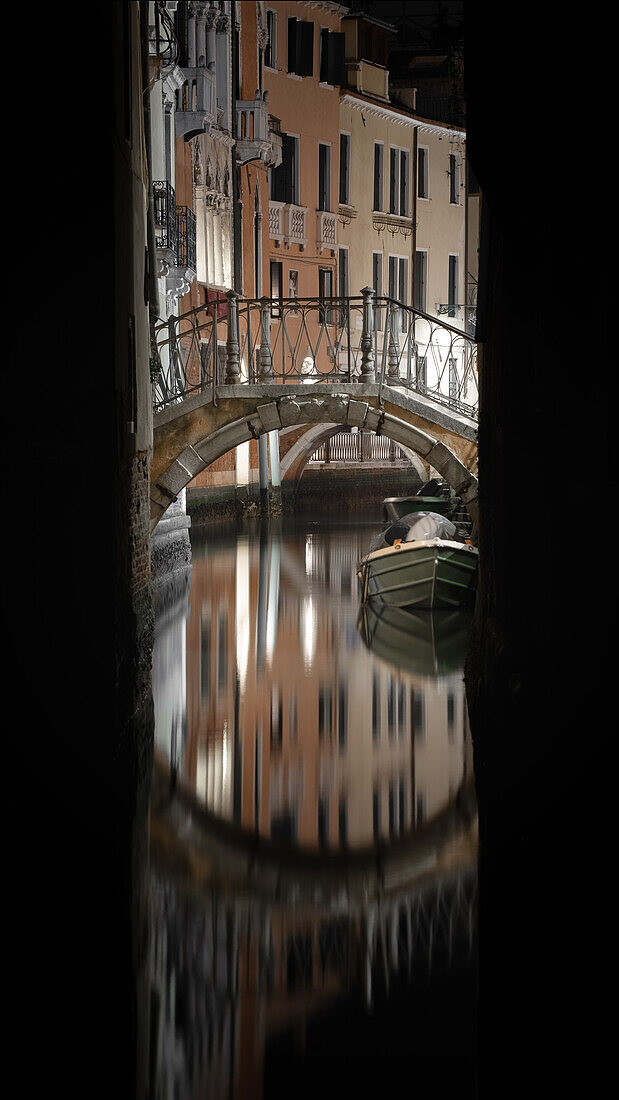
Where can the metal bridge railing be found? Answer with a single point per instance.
(364, 338)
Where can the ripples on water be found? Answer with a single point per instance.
(324, 812)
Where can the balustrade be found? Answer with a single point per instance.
(360, 339)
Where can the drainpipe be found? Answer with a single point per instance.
(415, 188)
(151, 287)
(237, 275)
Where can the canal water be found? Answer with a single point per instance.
(317, 930)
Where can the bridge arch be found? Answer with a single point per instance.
(184, 462)
(295, 461)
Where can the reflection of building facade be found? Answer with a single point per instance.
(295, 730)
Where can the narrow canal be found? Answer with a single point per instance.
(319, 930)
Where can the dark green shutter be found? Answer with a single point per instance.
(336, 66)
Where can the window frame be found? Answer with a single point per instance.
(425, 149)
(272, 43)
(381, 178)
(345, 201)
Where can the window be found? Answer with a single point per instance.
(398, 181)
(345, 169)
(420, 283)
(452, 287)
(325, 292)
(453, 378)
(276, 287)
(378, 175)
(270, 53)
(422, 373)
(372, 44)
(377, 284)
(398, 284)
(423, 161)
(332, 57)
(285, 178)
(454, 180)
(300, 47)
(344, 286)
(324, 176)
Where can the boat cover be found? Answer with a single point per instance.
(414, 527)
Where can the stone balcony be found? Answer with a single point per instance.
(196, 109)
(326, 230)
(258, 133)
(288, 224)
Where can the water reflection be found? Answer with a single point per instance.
(308, 721)
(319, 847)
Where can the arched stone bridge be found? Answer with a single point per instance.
(191, 434)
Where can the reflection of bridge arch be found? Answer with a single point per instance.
(189, 441)
(239, 925)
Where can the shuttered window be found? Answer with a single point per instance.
(285, 178)
(420, 281)
(324, 176)
(378, 175)
(452, 289)
(345, 169)
(422, 172)
(454, 180)
(300, 47)
(332, 57)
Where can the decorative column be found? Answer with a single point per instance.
(265, 357)
(368, 373)
(233, 370)
(211, 18)
(393, 364)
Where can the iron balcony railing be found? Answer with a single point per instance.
(359, 339)
(186, 237)
(164, 200)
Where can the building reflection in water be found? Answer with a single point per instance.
(304, 731)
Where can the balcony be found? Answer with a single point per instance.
(368, 78)
(287, 224)
(181, 275)
(258, 133)
(196, 109)
(326, 230)
(164, 201)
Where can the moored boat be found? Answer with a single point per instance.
(412, 572)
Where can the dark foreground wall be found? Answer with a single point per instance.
(540, 678)
(77, 620)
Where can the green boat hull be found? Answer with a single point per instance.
(433, 574)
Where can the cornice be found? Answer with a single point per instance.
(391, 114)
(322, 5)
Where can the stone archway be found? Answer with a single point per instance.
(295, 461)
(295, 409)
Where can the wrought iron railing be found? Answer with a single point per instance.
(164, 202)
(186, 237)
(359, 339)
(358, 447)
